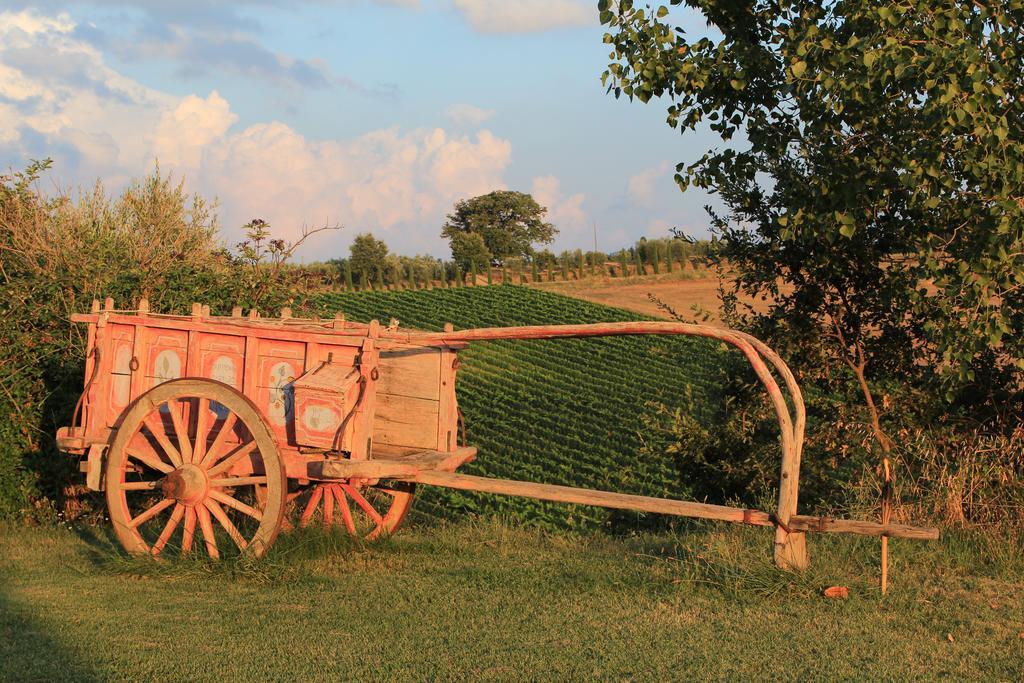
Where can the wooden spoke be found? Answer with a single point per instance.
(140, 485)
(149, 460)
(152, 512)
(214, 452)
(202, 430)
(172, 524)
(346, 511)
(228, 462)
(189, 531)
(363, 503)
(329, 507)
(237, 481)
(161, 438)
(218, 512)
(207, 527)
(224, 498)
(314, 501)
(184, 445)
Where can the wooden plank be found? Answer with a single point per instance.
(365, 408)
(447, 410)
(402, 466)
(140, 352)
(406, 421)
(809, 523)
(350, 334)
(664, 506)
(411, 372)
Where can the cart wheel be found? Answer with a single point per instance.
(193, 452)
(367, 512)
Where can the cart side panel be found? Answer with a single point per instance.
(408, 398)
(167, 356)
(121, 341)
(222, 358)
(278, 364)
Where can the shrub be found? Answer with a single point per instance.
(60, 252)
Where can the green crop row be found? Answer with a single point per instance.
(567, 411)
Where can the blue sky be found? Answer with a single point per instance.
(375, 115)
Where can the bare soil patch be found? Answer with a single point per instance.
(681, 291)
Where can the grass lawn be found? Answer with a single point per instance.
(481, 599)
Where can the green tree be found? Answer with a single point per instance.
(368, 257)
(349, 285)
(509, 223)
(469, 249)
(877, 195)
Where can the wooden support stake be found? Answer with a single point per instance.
(236, 312)
(143, 306)
(886, 516)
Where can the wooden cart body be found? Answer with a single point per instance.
(322, 387)
(351, 405)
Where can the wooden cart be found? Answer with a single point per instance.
(243, 426)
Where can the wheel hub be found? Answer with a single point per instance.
(188, 485)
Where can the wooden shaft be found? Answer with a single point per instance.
(790, 552)
(664, 506)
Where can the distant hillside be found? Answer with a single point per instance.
(556, 411)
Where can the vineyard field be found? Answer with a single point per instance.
(566, 411)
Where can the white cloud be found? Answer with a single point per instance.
(184, 132)
(398, 184)
(641, 187)
(467, 114)
(565, 212)
(96, 123)
(32, 23)
(63, 101)
(525, 16)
